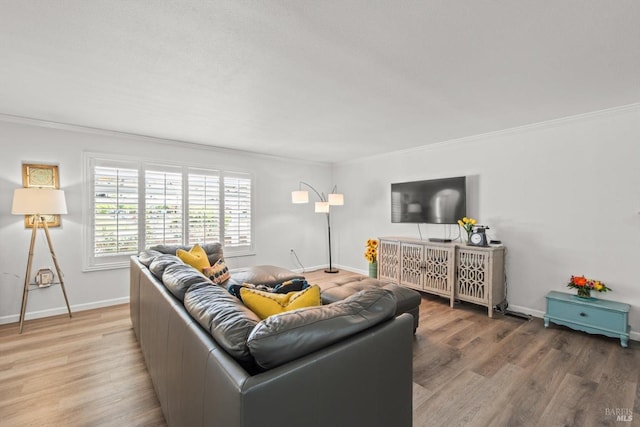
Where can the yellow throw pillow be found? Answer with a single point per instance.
(196, 257)
(218, 272)
(266, 304)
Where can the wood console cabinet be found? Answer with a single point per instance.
(452, 270)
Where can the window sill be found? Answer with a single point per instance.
(239, 254)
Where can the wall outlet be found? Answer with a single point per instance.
(44, 277)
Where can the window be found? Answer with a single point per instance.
(204, 207)
(237, 211)
(115, 210)
(163, 208)
(133, 205)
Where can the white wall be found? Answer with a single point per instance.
(563, 196)
(279, 225)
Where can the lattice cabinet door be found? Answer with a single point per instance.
(472, 271)
(480, 276)
(412, 265)
(439, 271)
(389, 260)
(455, 271)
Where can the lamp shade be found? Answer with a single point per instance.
(43, 201)
(322, 207)
(336, 199)
(300, 196)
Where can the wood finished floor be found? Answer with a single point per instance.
(469, 370)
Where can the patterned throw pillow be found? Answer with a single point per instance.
(218, 272)
(235, 289)
(292, 285)
(196, 257)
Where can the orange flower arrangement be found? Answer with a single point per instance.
(584, 285)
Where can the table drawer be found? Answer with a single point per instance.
(591, 314)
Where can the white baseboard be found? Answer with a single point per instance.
(353, 270)
(13, 318)
(526, 310)
(635, 336)
(336, 266)
(312, 268)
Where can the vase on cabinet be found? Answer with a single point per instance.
(373, 270)
(585, 293)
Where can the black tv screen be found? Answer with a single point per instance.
(433, 201)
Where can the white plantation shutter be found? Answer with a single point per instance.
(163, 208)
(237, 211)
(115, 208)
(132, 205)
(204, 208)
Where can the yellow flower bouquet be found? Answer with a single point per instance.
(371, 253)
(467, 224)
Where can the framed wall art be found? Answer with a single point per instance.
(41, 176)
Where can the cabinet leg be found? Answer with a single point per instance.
(546, 322)
(624, 341)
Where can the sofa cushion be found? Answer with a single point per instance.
(213, 250)
(225, 317)
(266, 304)
(147, 256)
(340, 288)
(161, 262)
(196, 257)
(218, 272)
(268, 275)
(179, 277)
(287, 336)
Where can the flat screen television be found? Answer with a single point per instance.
(433, 201)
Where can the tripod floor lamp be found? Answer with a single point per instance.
(322, 206)
(38, 202)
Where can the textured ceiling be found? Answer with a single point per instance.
(319, 80)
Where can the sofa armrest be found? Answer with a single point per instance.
(363, 380)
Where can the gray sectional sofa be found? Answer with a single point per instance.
(215, 363)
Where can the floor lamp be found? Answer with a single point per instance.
(37, 202)
(322, 206)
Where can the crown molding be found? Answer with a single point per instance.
(547, 124)
(145, 138)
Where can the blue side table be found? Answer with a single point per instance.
(595, 316)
